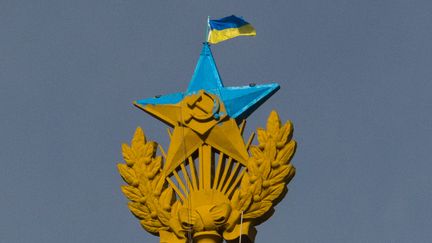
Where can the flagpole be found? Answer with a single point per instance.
(207, 30)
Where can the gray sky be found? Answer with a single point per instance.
(355, 80)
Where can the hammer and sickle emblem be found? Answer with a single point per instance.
(202, 107)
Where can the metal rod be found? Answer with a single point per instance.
(180, 182)
(176, 189)
(186, 176)
(250, 140)
(207, 29)
(218, 170)
(236, 182)
(162, 151)
(233, 172)
(242, 126)
(227, 167)
(193, 173)
(200, 167)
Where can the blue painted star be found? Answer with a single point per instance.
(207, 113)
(239, 102)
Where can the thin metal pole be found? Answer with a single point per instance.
(241, 227)
(207, 29)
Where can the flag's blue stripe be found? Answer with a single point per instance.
(227, 22)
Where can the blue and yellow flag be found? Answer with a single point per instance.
(227, 28)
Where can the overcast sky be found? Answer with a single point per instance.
(355, 76)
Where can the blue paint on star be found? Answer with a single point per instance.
(239, 102)
(206, 75)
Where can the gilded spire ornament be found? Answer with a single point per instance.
(211, 185)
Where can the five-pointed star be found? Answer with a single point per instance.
(199, 119)
(224, 135)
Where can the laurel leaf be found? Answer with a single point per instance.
(149, 149)
(235, 198)
(167, 198)
(139, 210)
(262, 136)
(152, 203)
(153, 181)
(257, 210)
(127, 154)
(244, 184)
(291, 174)
(273, 192)
(159, 182)
(141, 159)
(165, 201)
(152, 226)
(256, 152)
(273, 124)
(245, 202)
(286, 153)
(139, 169)
(164, 217)
(285, 132)
(138, 139)
(252, 167)
(257, 187)
(127, 174)
(281, 174)
(154, 167)
(265, 169)
(145, 186)
(270, 150)
(132, 193)
(174, 209)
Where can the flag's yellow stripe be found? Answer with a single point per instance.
(216, 36)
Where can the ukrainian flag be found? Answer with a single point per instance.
(227, 28)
